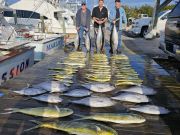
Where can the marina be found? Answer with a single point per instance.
(162, 124)
(61, 75)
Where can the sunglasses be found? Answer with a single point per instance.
(83, 4)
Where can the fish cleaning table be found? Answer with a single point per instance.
(16, 123)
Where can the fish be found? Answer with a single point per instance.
(88, 42)
(118, 118)
(104, 80)
(119, 57)
(128, 83)
(132, 97)
(141, 90)
(73, 64)
(78, 93)
(95, 101)
(76, 42)
(52, 86)
(99, 87)
(151, 109)
(30, 91)
(76, 128)
(47, 112)
(49, 98)
(99, 40)
(114, 39)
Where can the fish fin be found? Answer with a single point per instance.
(26, 130)
(35, 121)
(28, 85)
(7, 113)
(57, 108)
(11, 110)
(98, 129)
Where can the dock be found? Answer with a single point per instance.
(168, 95)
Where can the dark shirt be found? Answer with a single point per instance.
(117, 17)
(99, 14)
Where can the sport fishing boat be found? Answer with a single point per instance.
(15, 57)
(31, 13)
(42, 22)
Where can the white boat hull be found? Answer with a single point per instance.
(46, 47)
(13, 66)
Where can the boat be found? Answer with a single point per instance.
(31, 13)
(40, 22)
(15, 57)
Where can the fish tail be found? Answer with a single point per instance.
(36, 122)
(37, 126)
(27, 130)
(11, 110)
(81, 117)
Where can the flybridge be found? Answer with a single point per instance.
(54, 2)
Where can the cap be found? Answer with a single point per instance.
(117, 0)
(83, 2)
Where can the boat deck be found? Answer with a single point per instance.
(152, 74)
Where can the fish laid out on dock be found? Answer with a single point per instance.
(119, 57)
(78, 93)
(132, 97)
(76, 128)
(141, 90)
(151, 109)
(119, 118)
(47, 112)
(99, 87)
(97, 102)
(122, 72)
(51, 86)
(30, 91)
(49, 98)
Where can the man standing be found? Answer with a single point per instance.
(83, 18)
(117, 17)
(100, 17)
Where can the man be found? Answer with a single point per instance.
(100, 17)
(83, 18)
(117, 17)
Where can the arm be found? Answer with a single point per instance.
(111, 16)
(125, 18)
(77, 20)
(106, 17)
(94, 16)
(89, 20)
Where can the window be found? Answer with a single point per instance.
(23, 14)
(176, 11)
(8, 13)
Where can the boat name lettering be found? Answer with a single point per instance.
(15, 70)
(53, 45)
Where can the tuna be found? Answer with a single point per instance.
(99, 87)
(151, 109)
(98, 102)
(114, 40)
(99, 40)
(132, 97)
(88, 42)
